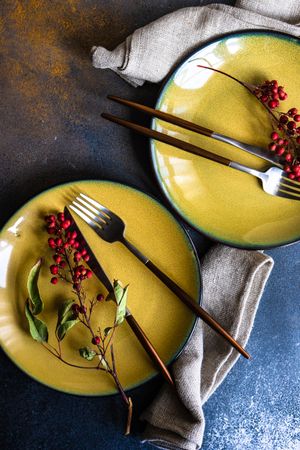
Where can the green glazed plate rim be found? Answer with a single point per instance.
(159, 178)
(190, 245)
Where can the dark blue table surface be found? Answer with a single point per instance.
(51, 132)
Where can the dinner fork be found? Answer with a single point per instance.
(110, 227)
(274, 180)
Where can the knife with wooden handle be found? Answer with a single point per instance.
(95, 266)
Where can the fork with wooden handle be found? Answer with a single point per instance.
(274, 180)
(261, 152)
(110, 227)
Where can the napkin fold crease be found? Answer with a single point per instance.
(233, 279)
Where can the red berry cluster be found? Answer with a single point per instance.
(80, 274)
(66, 245)
(69, 252)
(270, 93)
(286, 142)
(286, 132)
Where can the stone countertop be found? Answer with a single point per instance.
(52, 132)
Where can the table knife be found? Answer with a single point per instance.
(98, 270)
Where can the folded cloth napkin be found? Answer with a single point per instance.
(233, 279)
(233, 282)
(152, 51)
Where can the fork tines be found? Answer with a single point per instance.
(87, 211)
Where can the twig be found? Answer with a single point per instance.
(68, 363)
(126, 399)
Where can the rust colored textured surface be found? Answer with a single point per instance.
(38, 64)
(51, 97)
(51, 132)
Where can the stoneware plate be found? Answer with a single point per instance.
(224, 204)
(166, 321)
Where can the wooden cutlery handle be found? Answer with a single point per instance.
(167, 139)
(186, 298)
(163, 116)
(149, 348)
(195, 307)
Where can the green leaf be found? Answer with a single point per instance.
(107, 330)
(121, 298)
(87, 353)
(66, 319)
(33, 290)
(38, 329)
(63, 328)
(65, 312)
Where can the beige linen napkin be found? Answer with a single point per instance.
(152, 51)
(233, 279)
(233, 282)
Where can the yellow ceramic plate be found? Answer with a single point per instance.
(227, 205)
(166, 321)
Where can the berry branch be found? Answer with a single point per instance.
(286, 134)
(70, 257)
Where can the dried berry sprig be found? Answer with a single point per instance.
(286, 132)
(70, 257)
